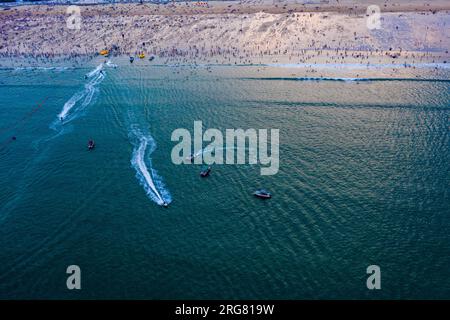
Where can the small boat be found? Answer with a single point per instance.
(131, 59)
(91, 144)
(205, 172)
(263, 194)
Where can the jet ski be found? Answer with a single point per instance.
(151, 58)
(165, 204)
(205, 172)
(191, 158)
(131, 59)
(91, 144)
(263, 194)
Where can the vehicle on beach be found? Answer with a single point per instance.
(262, 193)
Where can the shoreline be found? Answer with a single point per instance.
(278, 71)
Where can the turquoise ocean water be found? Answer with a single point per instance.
(364, 179)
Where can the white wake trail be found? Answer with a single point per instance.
(148, 178)
(95, 71)
(72, 107)
(110, 64)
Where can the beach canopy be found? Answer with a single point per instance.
(104, 52)
(142, 56)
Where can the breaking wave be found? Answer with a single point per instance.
(348, 79)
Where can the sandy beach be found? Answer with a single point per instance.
(245, 32)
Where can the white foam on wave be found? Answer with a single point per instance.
(60, 69)
(360, 65)
(214, 148)
(333, 79)
(144, 145)
(110, 64)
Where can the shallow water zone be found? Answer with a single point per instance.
(363, 179)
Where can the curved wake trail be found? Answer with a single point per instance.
(80, 100)
(95, 71)
(147, 176)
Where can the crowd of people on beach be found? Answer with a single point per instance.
(293, 37)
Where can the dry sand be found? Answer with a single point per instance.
(245, 32)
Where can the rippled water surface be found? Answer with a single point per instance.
(364, 179)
